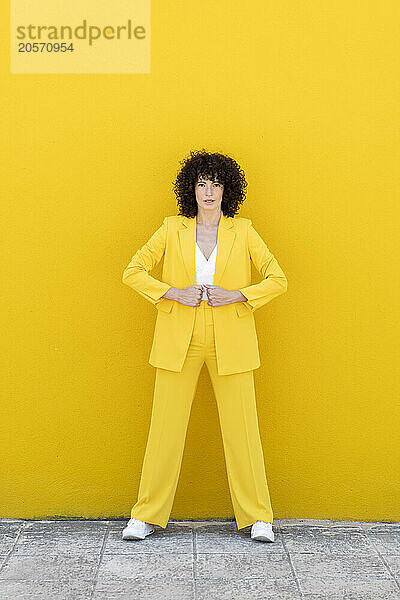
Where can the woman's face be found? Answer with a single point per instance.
(209, 194)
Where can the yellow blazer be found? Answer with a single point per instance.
(238, 243)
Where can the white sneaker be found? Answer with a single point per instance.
(137, 530)
(261, 530)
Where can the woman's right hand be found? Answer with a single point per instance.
(190, 296)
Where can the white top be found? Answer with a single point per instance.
(205, 269)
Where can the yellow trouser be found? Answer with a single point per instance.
(173, 396)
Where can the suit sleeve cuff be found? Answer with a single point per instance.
(164, 287)
(248, 304)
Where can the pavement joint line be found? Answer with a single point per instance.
(382, 558)
(194, 562)
(100, 558)
(292, 568)
(8, 555)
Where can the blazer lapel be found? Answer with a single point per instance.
(187, 241)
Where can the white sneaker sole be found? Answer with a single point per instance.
(135, 536)
(262, 538)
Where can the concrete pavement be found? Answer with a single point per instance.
(199, 560)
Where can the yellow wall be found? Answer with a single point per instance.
(305, 96)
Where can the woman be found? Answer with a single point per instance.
(205, 304)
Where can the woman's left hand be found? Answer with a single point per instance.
(218, 296)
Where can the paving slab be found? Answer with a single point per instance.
(175, 538)
(61, 537)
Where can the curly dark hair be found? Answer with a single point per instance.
(210, 166)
